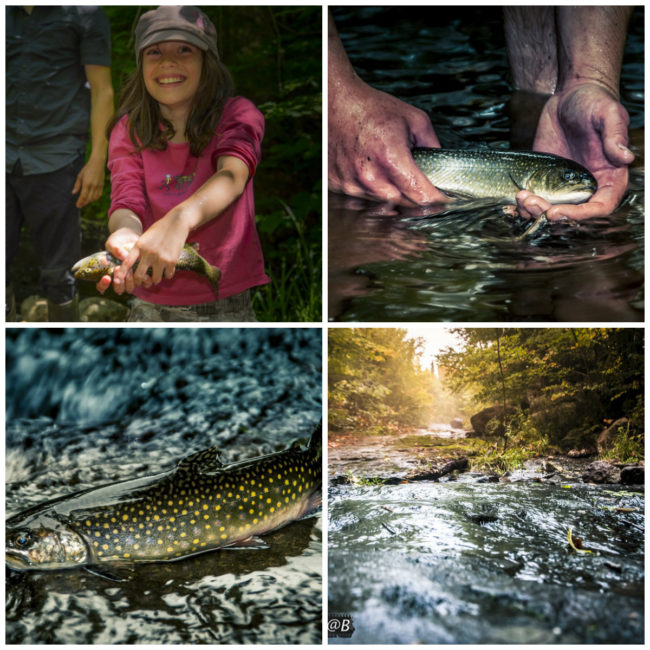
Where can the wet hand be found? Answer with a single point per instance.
(371, 135)
(585, 123)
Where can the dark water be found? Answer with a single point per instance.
(87, 407)
(473, 563)
(393, 265)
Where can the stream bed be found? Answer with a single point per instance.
(467, 562)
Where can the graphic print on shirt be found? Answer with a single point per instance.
(176, 184)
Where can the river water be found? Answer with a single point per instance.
(86, 407)
(463, 265)
(482, 563)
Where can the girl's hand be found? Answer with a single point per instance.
(118, 244)
(158, 249)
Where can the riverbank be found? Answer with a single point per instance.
(423, 454)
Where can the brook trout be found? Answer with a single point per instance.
(95, 266)
(200, 506)
(501, 174)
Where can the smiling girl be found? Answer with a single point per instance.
(182, 155)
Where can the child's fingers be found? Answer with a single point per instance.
(103, 283)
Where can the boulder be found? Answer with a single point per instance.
(480, 420)
(600, 471)
(456, 423)
(606, 438)
(632, 475)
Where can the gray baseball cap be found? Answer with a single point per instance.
(170, 23)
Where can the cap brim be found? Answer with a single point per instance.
(173, 35)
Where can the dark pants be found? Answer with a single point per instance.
(46, 204)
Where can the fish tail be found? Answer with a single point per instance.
(213, 273)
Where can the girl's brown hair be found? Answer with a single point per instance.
(215, 88)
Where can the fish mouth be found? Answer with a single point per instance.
(16, 560)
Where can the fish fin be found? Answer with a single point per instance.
(250, 542)
(194, 245)
(202, 462)
(112, 571)
(519, 187)
(313, 506)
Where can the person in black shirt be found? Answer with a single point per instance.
(58, 85)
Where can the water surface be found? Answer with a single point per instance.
(476, 563)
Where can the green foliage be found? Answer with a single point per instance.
(627, 446)
(497, 461)
(375, 382)
(275, 56)
(563, 381)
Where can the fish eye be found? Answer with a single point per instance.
(22, 539)
(569, 175)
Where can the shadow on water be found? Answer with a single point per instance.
(386, 264)
(483, 563)
(89, 407)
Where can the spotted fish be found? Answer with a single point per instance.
(96, 266)
(200, 506)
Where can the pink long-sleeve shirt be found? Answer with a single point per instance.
(151, 183)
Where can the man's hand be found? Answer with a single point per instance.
(371, 135)
(89, 182)
(587, 124)
(370, 138)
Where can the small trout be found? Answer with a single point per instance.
(95, 266)
(200, 506)
(499, 175)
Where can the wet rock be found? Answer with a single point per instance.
(456, 424)
(340, 480)
(434, 474)
(606, 438)
(632, 475)
(34, 309)
(95, 310)
(601, 471)
(479, 421)
(488, 478)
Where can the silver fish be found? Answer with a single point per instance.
(499, 175)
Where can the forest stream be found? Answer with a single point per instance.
(468, 560)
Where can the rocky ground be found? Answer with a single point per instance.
(422, 454)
